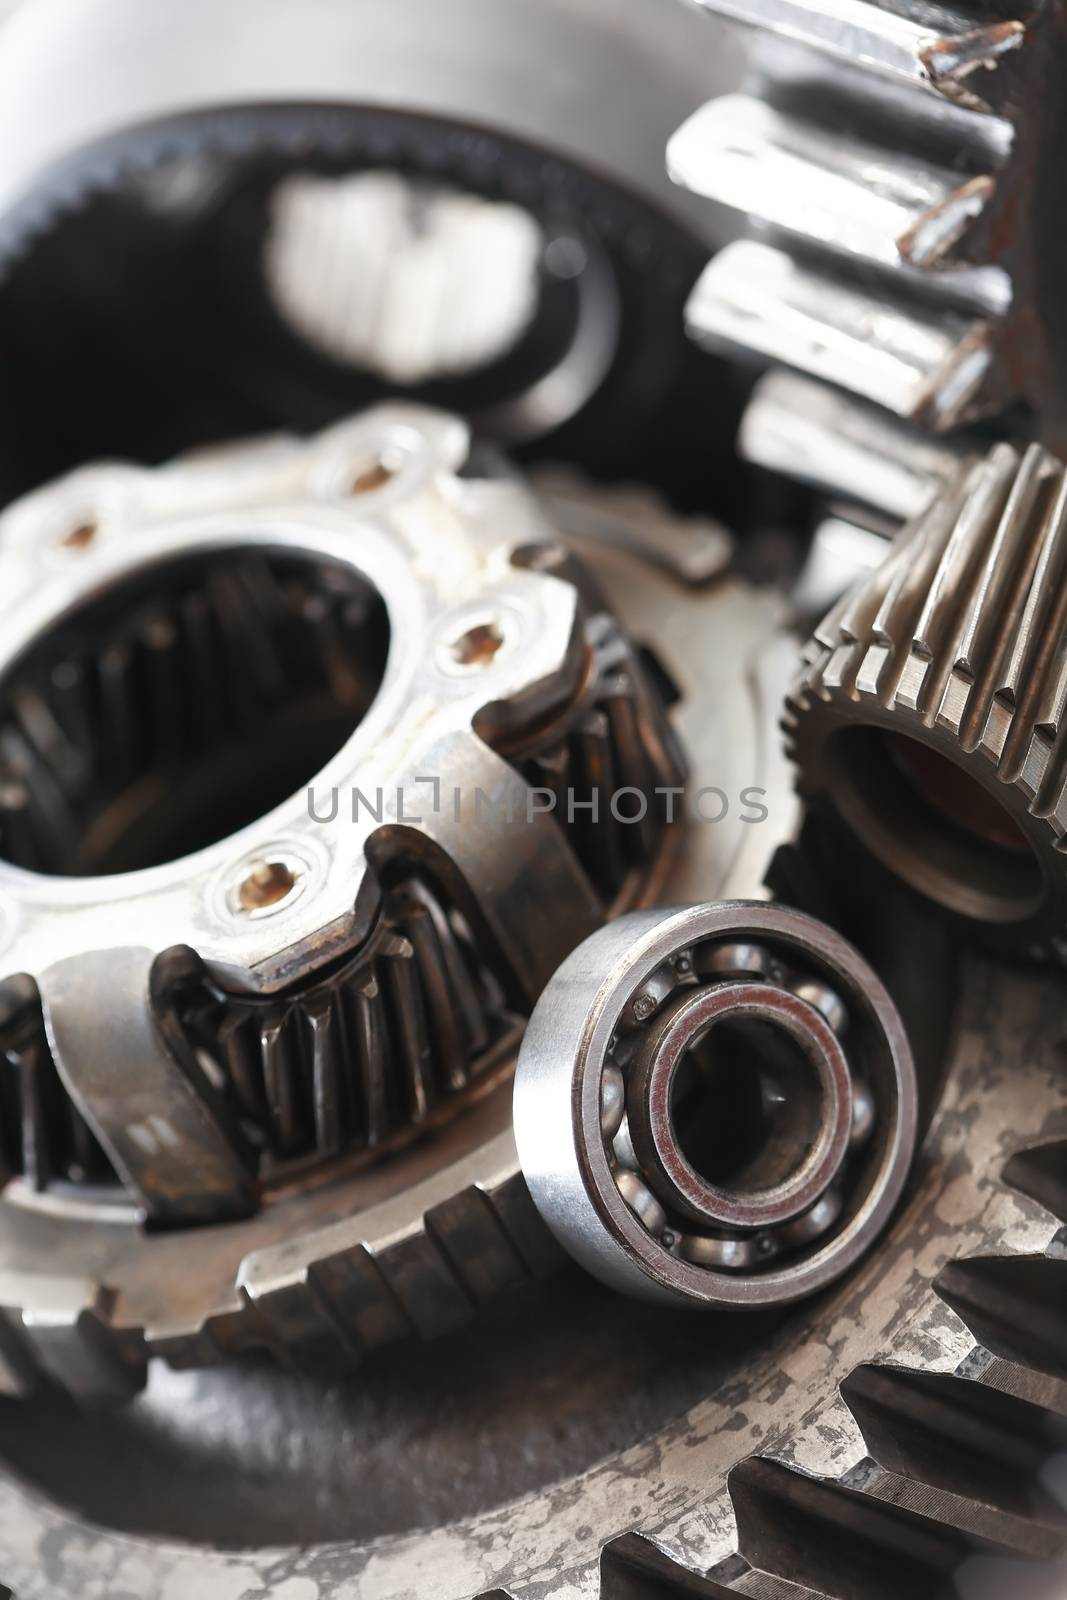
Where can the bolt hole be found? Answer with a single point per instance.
(478, 646)
(374, 472)
(268, 884)
(81, 536)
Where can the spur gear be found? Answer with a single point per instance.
(715, 1105)
(930, 706)
(901, 165)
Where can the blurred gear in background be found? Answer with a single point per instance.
(268, 215)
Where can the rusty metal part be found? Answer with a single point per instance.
(900, 167)
(346, 1252)
(929, 710)
(716, 1105)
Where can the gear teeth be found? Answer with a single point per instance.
(945, 1467)
(848, 1539)
(352, 1059)
(960, 1437)
(42, 1134)
(1016, 1306)
(616, 739)
(878, 252)
(67, 1339)
(903, 43)
(108, 707)
(634, 1568)
(956, 643)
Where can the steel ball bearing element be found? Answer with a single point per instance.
(716, 1105)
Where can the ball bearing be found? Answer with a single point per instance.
(716, 1105)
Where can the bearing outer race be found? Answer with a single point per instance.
(557, 1111)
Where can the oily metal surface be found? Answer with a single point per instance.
(775, 1395)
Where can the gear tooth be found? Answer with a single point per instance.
(632, 1567)
(1015, 1306)
(959, 1437)
(469, 1233)
(1041, 1173)
(926, 366)
(60, 1329)
(743, 154)
(521, 1221)
(952, 62)
(414, 1058)
(425, 1283)
(319, 1018)
(901, 43)
(869, 1533)
(280, 1069)
(304, 1325)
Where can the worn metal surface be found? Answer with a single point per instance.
(905, 1474)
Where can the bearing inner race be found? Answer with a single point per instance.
(806, 1105)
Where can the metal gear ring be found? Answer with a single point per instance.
(716, 1105)
(324, 973)
(929, 710)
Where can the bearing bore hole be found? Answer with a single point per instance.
(180, 706)
(478, 646)
(268, 884)
(745, 1106)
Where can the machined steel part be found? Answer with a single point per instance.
(898, 164)
(908, 1430)
(929, 710)
(329, 969)
(375, 1030)
(716, 1105)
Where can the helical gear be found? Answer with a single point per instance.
(930, 708)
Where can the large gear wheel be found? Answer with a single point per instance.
(900, 165)
(908, 1446)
